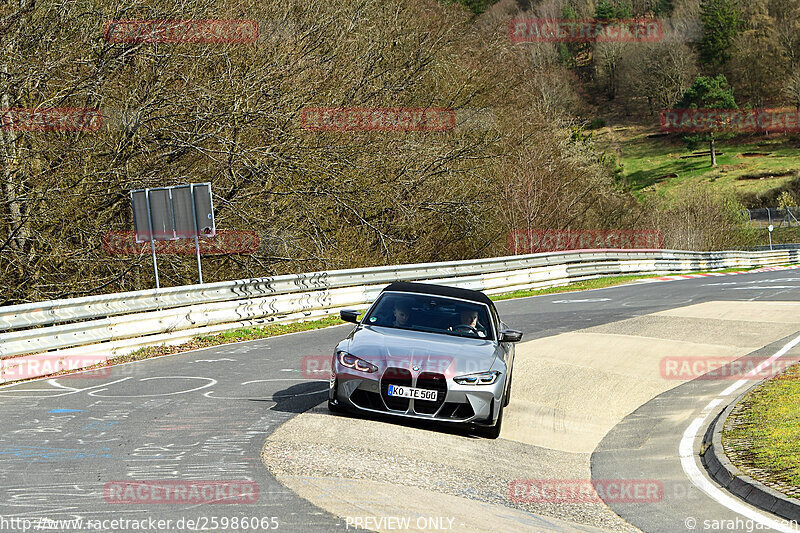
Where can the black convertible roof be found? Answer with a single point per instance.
(441, 290)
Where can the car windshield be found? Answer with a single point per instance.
(434, 314)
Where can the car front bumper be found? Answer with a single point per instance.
(458, 404)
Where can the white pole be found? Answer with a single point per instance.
(150, 229)
(196, 237)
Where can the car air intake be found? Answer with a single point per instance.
(457, 411)
(367, 400)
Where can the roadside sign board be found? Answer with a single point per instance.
(170, 213)
(179, 212)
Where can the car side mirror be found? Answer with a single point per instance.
(510, 335)
(349, 315)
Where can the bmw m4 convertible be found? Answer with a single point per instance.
(426, 352)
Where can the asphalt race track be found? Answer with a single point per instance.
(590, 398)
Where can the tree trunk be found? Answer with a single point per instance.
(713, 154)
(8, 152)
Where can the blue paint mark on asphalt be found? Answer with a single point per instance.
(55, 454)
(66, 411)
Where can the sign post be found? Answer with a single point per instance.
(770, 228)
(196, 237)
(150, 232)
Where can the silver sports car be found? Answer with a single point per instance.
(426, 352)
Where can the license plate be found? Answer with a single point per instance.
(408, 392)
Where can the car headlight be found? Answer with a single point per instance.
(481, 378)
(356, 363)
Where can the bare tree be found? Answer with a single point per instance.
(699, 218)
(791, 90)
(658, 72)
(230, 113)
(608, 58)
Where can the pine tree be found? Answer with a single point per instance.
(758, 67)
(722, 22)
(664, 8)
(608, 10)
(708, 93)
(476, 6)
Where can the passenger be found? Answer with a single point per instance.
(402, 315)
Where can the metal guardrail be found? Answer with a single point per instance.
(115, 324)
(59, 311)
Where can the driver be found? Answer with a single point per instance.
(469, 317)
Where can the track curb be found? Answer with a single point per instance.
(722, 471)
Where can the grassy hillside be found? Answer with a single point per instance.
(747, 166)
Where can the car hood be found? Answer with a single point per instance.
(422, 351)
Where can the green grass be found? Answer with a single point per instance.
(647, 161)
(596, 283)
(766, 435)
(263, 332)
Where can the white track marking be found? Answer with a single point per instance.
(689, 463)
(211, 383)
(762, 288)
(277, 379)
(57, 388)
(587, 300)
(16, 383)
(273, 397)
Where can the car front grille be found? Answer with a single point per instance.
(431, 381)
(426, 380)
(395, 376)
